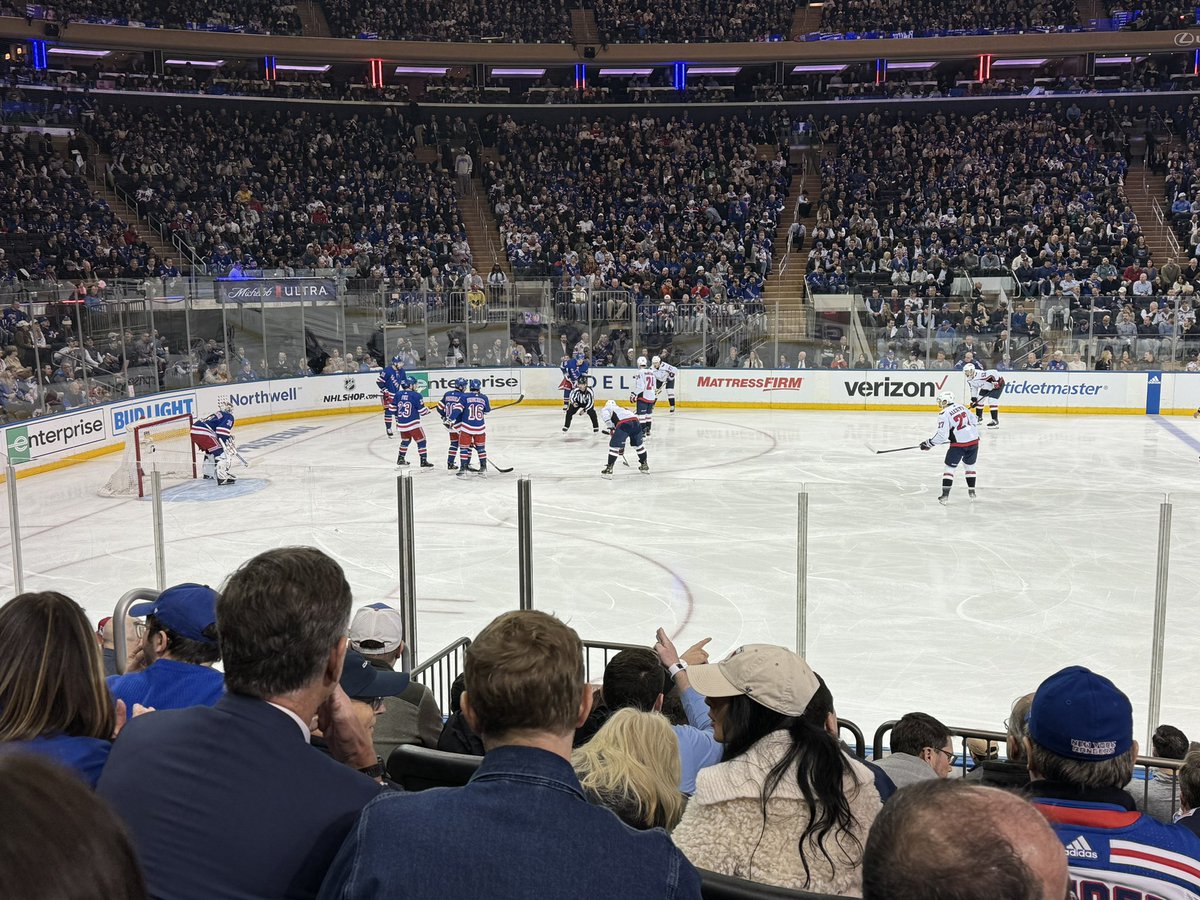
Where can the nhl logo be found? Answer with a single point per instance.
(348, 384)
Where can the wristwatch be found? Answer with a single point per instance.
(677, 668)
(375, 771)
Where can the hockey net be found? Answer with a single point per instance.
(162, 444)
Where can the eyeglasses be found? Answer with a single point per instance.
(949, 753)
(139, 630)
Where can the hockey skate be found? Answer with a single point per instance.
(971, 494)
(451, 467)
(607, 470)
(564, 431)
(944, 500)
(482, 473)
(463, 470)
(993, 424)
(644, 467)
(426, 464)
(401, 461)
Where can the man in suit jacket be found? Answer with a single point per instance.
(1189, 792)
(231, 801)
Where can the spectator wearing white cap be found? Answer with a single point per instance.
(785, 806)
(1081, 755)
(179, 646)
(412, 716)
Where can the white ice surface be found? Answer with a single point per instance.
(911, 606)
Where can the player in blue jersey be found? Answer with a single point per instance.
(213, 436)
(472, 427)
(583, 399)
(407, 408)
(391, 382)
(450, 404)
(573, 368)
(623, 426)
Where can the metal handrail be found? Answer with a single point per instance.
(120, 613)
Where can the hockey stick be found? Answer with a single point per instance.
(507, 405)
(894, 449)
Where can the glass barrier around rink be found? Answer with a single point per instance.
(957, 610)
(1181, 707)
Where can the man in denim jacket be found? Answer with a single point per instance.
(521, 827)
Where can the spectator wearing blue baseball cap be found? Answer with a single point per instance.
(1081, 755)
(369, 689)
(180, 647)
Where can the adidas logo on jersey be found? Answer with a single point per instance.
(1081, 849)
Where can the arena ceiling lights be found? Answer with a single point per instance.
(912, 66)
(73, 51)
(714, 70)
(1018, 63)
(813, 69)
(422, 70)
(197, 63)
(287, 67)
(516, 73)
(625, 73)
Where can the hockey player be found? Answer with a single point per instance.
(623, 426)
(645, 393)
(471, 427)
(665, 374)
(985, 384)
(582, 400)
(408, 407)
(213, 435)
(451, 403)
(391, 382)
(958, 427)
(573, 368)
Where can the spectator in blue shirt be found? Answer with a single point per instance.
(526, 694)
(888, 360)
(180, 647)
(52, 697)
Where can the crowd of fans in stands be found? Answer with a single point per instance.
(696, 21)
(292, 189)
(511, 21)
(249, 16)
(931, 16)
(1157, 15)
(681, 767)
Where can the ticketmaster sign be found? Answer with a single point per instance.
(285, 290)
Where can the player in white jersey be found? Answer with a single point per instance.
(644, 394)
(986, 385)
(958, 427)
(665, 374)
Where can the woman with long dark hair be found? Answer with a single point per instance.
(53, 699)
(785, 806)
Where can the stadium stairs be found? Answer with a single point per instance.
(483, 231)
(583, 27)
(785, 289)
(807, 19)
(162, 249)
(1142, 188)
(312, 19)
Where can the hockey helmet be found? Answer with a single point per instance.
(476, 385)
(611, 407)
(969, 370)
(224, 404)
(656, 362)
(398, 361)
(946, 398)
(459, 384)
(641, 362)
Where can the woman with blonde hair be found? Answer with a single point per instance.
(631, 766)
(53, 699)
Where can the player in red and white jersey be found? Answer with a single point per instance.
(986, 386)
(958, 427)
(644, 394)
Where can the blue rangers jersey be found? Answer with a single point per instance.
(391, 380)
(219, 423)
(451, 403)
(470, 417)
(1116, 853)
(408, 407)
(574, 369)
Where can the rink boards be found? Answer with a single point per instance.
(41, 444)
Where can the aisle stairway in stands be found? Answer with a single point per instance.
(312, 19)
(583, 27)
(162, 249)
(483, 232)
(1142, 188)
(807, 19)
(785, 291)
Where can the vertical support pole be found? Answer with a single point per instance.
(1160, 616)
(408, 570)
(525, 542)
(14, 527)
(802, 573)
(160, 549)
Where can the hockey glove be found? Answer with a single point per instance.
(925, 445)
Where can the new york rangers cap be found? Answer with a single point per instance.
(380, 624)
(771, 676)
(1078, 714)
(362, 681)
(186, 609)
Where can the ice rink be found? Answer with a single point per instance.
(954, 611)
